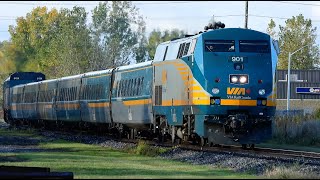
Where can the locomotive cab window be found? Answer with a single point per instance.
(254, 46)
(219, 46)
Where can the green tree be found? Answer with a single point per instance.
(140, 50)
(10, 58)
(31, 37)
(57, 43)
(71, 48)
(7, 53)
(117, 27)
(296, 33)
(7, 66)
(270, 29)
(157, 36)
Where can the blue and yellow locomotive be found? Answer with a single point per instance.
(216, 87)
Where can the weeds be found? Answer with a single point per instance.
(292, 172)
(317, 113)
(301, 130)
(143, 148)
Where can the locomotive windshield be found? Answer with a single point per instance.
(255, 46)
(219, 46)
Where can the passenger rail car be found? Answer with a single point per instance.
(13, 80)
(216, 87)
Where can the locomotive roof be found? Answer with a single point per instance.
(197, 35)
(180, 39)
(132, 66)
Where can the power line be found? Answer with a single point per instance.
(138, 3)
(88, 4)
(181, 17)
(191, 17)
(38, 4)
(171, 2)
(184, 17)
(176, 17)
(307, 4)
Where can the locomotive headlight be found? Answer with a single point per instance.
(243, 79)
(234, 79)
(215, 90)
(262, 91)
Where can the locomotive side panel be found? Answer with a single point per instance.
(171, 90)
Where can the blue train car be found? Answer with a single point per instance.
(95, 97)
(30, 101)
(131, 100)
(47, 99)
(14, 79)
(67, 102)
(16, 103)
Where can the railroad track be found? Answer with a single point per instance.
(289, 153)
(269, 153)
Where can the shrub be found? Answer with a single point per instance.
(145, 149)
(317, 114)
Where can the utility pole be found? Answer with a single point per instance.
(288, 77)
(246, 18)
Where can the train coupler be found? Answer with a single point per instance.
(237, 121)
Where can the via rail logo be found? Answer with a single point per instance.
(315, 90)
(238, 93)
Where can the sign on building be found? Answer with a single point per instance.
(308, 90)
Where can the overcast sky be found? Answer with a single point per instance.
(190, 16)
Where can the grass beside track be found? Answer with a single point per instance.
(92, 161)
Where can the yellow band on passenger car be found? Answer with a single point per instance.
(174, 103)
(98, 105)
(137, 102)
(69, 106)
